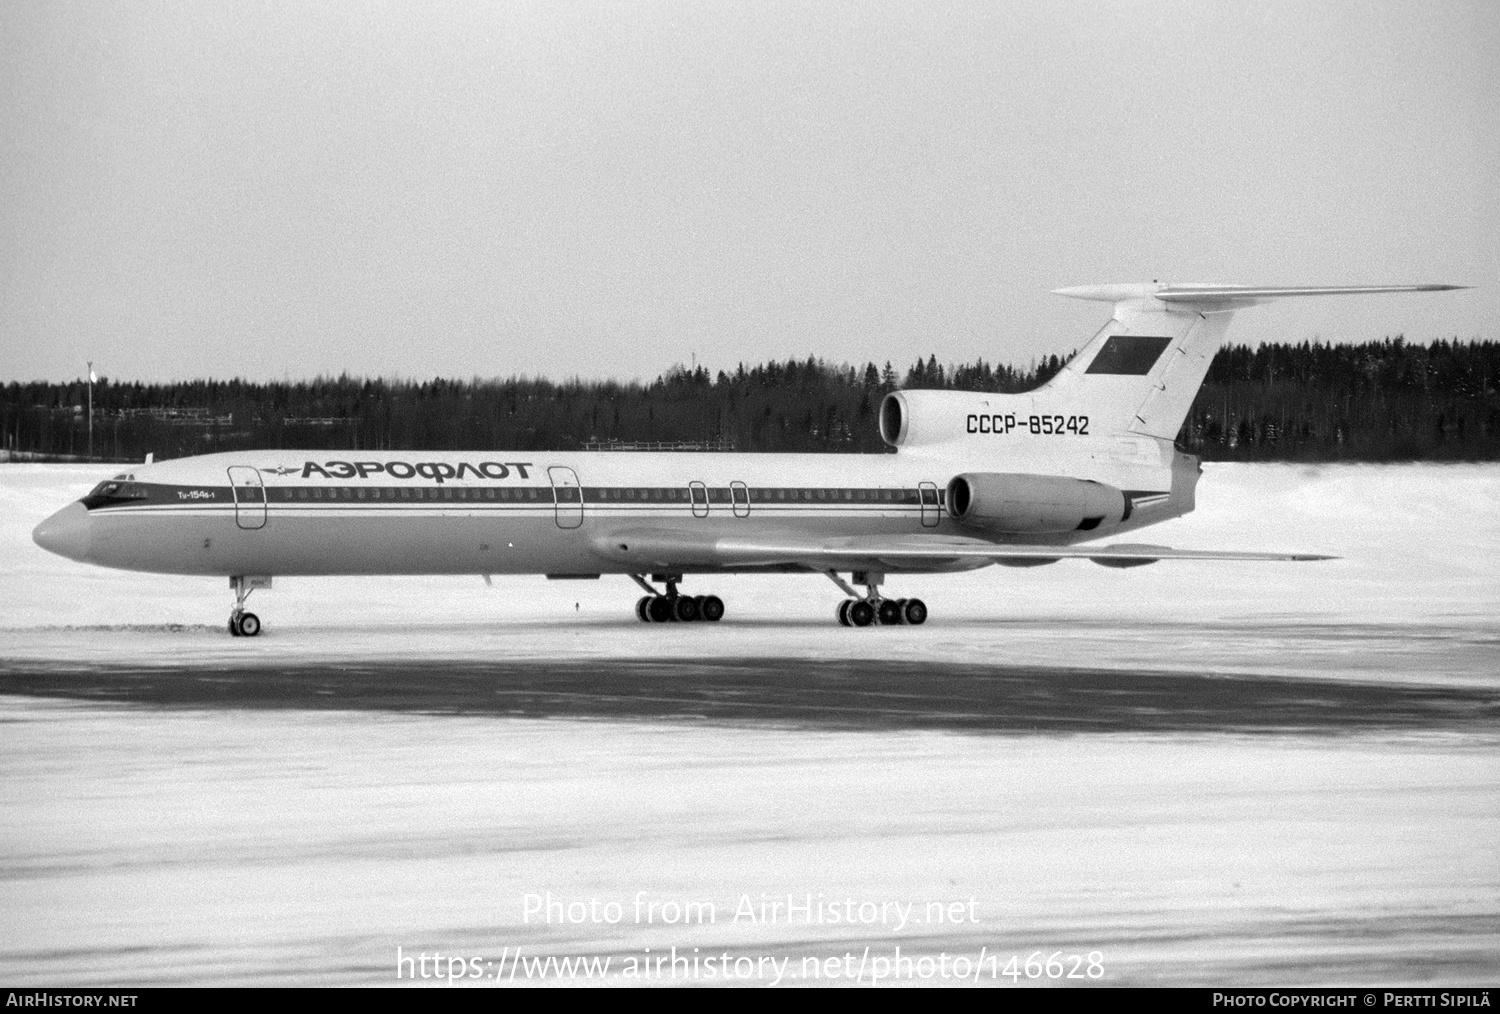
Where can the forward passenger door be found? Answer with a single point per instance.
(249, 497)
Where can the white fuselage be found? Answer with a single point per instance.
(296, 512)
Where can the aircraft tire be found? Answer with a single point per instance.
(889, 612)
(249, 624)
(234, 627)
(861, 613)
(711, 608)
(915, 612)
(660, 609)
(685, 609)
(843, 612)
(640, 608)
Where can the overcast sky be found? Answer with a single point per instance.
(564, 189)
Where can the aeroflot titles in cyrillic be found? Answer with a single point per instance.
(437, 471)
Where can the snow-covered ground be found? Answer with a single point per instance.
(214, 845)
(165, 847)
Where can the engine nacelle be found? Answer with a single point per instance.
(925, 418)
(1033, 504)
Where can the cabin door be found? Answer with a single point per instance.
(567, 495)
(249, 496)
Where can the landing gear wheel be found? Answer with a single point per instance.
(248, 624)
(660, 609)
(915, 612)
(685, 609)
(640, 608)
(889, 612)
(861, 613)
(234, 627)
(711, 608)
(843, 613)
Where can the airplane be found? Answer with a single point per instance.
(976, 479)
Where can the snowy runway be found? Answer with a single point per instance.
(1202, 773)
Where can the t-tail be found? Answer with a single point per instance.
(1100, 434)
(1141, 372)
(1135, 379)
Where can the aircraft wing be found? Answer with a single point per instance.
(656, 548)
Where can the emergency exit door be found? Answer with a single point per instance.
(931, 505)
(567, 495)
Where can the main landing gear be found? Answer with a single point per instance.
(672, 607)
(241, 623)
(862, 611)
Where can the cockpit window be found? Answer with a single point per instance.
(114, 490)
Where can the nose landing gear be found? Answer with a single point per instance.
(670, 607)
(242, 623)
(864, 610)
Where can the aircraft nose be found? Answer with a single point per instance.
(66, 533)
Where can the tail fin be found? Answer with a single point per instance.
(1143, 369)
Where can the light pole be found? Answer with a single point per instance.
(91, 408)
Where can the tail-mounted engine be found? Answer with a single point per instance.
(910, 419)
(1033, 504)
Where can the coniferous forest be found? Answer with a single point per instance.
(1380, 401)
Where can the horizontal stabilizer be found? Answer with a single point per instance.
(657, 548)
(1233, 296)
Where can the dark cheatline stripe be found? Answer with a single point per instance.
(790, 692)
